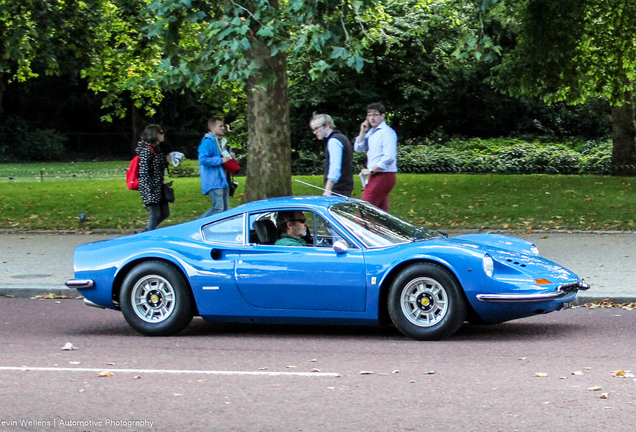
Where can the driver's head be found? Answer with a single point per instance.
(293, 223)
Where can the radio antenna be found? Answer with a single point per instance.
(322, 189)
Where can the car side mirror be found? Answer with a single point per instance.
(340, 247)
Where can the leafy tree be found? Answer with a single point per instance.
(574, 50)
(221, 48)
(40, 35)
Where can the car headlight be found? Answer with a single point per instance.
(488, 264)
(534, 250)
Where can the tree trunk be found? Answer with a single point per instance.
(268, 142)
(624, 138)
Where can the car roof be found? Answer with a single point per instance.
(307, 200)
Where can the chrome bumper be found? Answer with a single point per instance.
(79, 283)
(91, 304)
(561, 291)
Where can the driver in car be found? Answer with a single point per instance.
(292, 227)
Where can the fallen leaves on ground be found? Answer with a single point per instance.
(623, 374)
(105, 374)
(541, 374)
(365, 373)
(607, 303)
(68, 347)
(50, 296)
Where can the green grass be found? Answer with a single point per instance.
(11, 173)
(514, 202)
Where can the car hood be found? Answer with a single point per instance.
(515, 257)
(496, 241)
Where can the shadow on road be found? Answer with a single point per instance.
(468, 332)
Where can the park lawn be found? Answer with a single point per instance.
(17, 172)
(436, 201)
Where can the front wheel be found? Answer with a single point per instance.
(155, 300)
(425, 302)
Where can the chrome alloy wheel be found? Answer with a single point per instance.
(153, 299)
(424, 302)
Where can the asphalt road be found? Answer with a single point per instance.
(279, 379)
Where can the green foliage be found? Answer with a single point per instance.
(187, 168)
(32, 145)
(42, 145)
(431, 159)
(570, 50)
(596, 158)
(496, 156)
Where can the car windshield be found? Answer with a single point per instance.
(374, 227)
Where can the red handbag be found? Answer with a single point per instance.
(231, 166)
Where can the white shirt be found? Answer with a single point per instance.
(335, 159)
(381, 147)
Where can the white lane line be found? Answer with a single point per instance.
(166, 371)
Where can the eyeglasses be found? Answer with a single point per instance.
(303, 220)
(373, 114)
(316, 129)
(160, 132)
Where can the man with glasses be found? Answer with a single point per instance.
(338, 176)
(292, 226)
(380, 143)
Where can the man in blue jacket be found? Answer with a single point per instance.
(212, 155)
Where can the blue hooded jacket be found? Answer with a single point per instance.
(211, 170)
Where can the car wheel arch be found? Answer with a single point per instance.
(387, 282)
(128, 267)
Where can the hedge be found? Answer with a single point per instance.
(496, 156)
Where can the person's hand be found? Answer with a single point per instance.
(365, 172)
(326, 193)
(227, 127)
(233, 155)
(365, 126)
(226, 158)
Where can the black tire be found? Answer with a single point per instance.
(426, 303)
(155, 299)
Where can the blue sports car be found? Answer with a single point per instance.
(360, 265)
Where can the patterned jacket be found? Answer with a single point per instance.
(151, 168)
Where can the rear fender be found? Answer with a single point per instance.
(127, 268)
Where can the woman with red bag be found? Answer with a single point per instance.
(152, 164)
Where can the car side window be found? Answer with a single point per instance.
(225, 231)
(326, 235)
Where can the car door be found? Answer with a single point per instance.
(313, 277)
(212, 275)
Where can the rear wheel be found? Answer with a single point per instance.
(155, 299)
(425, 302)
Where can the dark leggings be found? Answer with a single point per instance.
(158, 213)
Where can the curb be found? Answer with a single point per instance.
(28, 292)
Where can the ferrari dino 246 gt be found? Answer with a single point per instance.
(360, 266)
